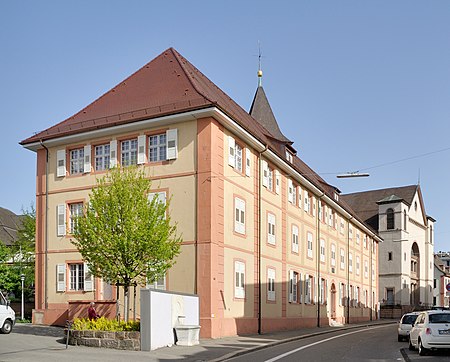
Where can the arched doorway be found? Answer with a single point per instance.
(415, 275)
(333, 302)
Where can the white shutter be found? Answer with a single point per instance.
(277, 182)
(61, 277)
(290, 191)
(87, 159)
(113, 154)
(141, 149)
(265, 173)
(61, 163)
(88, 279)
(247, 163)
(231, 151)
(61, 219)
(300, 288)
(172, 143)
(291, 285)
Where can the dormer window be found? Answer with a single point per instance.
(336, 196)
(289, 156)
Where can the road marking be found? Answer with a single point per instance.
(318, 342)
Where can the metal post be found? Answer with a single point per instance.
(22, 279)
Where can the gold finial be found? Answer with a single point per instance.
(259, 65)
(259, 73)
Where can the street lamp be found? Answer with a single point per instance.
(22, 279)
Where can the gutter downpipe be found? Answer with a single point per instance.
(46, 229)
(348, 270)
(259, 235)
(318, 259)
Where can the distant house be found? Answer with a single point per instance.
(441, 296)
(406, 255)
(9, 225)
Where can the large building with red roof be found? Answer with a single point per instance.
(267, 243)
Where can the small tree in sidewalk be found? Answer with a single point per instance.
(124, 236)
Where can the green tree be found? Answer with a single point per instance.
(124, 237)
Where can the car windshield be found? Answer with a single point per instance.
(409, 319)
(440, 318)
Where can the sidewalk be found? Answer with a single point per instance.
(44, 343)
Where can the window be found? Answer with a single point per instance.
(322, 250)
(239, 279)
(390, 255)
(102, 157)
(431, 234)
(323, 289)
(405, 219)
(289, 156)
(342, 226)
(293, 287)
(308, 289)
(239, 215)
(342, 298)
(76, 276)
(294, 195)
(390, 219)
(357, 296)
(159, 283)
(306, 200)
(271, 229)
(129, 152)
(75, 210)
(270, 179)
(157, 147)
(77, 161)
(160, 197)
(350, 263)
(295, 238)
(333, 255)
(238, 158)
(373, 272)
(365, 241)
(342, 256)
(357, 265)
(271, 284)
(310, 244)
(357, 238)
(366, 269)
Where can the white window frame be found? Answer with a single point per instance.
(309, 239)
(157, 147)
(293, 287)
(239, 215)
(322, 250)
(76, 276)
(75, 210)
(271, 284)
(270, 178)
(333, 255)
(366, 269)
(102, 155)
(342, 258)
(128, 152)
(76, 161)
(309, 281)
(350, 262)
(358, 264)
(295, 246)
(271, 221)
(239, 279)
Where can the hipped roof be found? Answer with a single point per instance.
(9, 225)
(169, 85)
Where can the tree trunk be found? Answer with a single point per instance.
(126, 300)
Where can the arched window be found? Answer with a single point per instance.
(390, 219)
(405, 220)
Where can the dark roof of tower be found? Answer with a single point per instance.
(9, 225)
(262, 112)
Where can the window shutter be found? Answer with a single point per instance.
(172, 144)
(88, 279)
(61, 219)
(231, 150)
(277, 182)
(247, 162)
(61, 277)
(291, 286)
(300, 288)
(61, 163)
(113, 154)
(265, 173)
(290, 191)
(87, 159)
(141, 149)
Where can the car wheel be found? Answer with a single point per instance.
(410, 347)
(7, 327)
(422, 351)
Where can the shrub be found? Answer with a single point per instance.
(103, 324)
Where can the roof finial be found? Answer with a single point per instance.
(259, 65)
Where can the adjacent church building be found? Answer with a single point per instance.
(406, 260)
(267, 243)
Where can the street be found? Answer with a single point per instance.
(377, 343)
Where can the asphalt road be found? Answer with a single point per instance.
(377, 343)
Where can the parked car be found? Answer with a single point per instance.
(7, 315)
(405, 324)
(431, 331)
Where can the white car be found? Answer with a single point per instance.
(431, 331)
(7, 315)
(405, 325)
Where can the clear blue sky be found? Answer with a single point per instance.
(354, 84)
